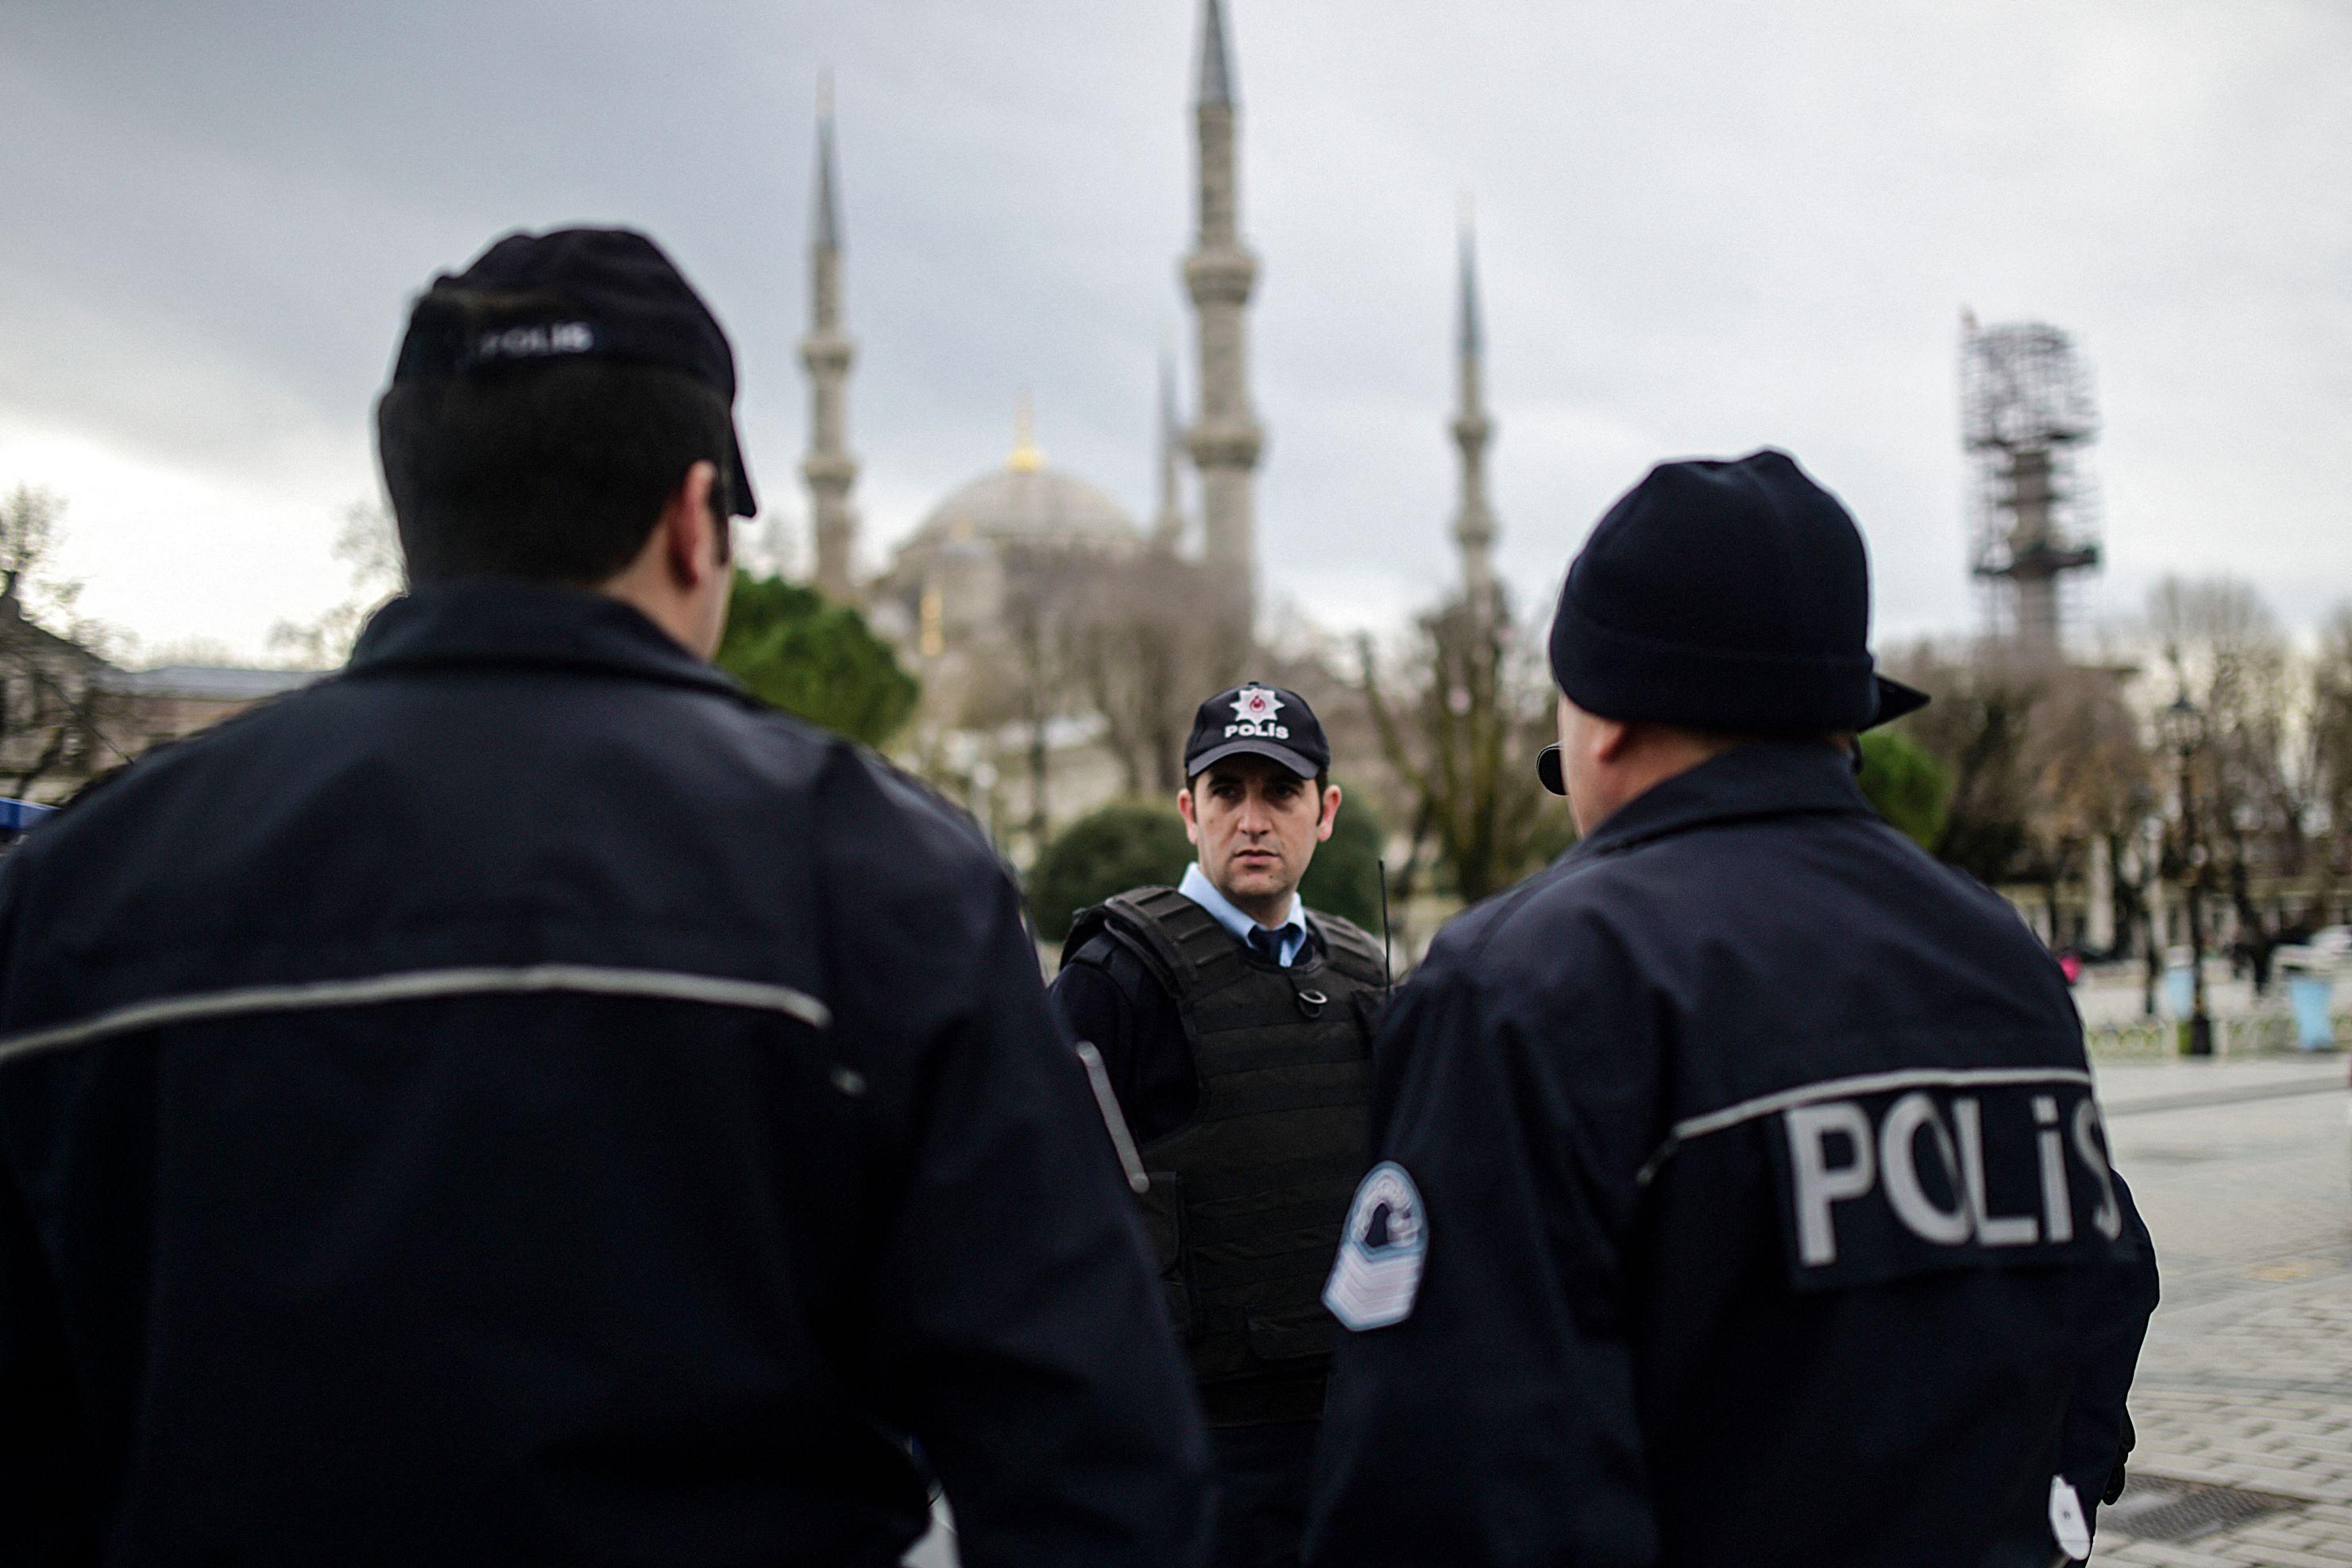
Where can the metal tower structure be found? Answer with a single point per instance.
(2027, 420)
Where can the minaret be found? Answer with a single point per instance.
(1474, 525)
(1168, 525)
(826, 350)
(1219, 273)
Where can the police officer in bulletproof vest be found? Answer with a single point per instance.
(1234, 1026)
(521, 1099)
(1742, 1198)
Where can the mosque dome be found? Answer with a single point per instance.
(1025, 502)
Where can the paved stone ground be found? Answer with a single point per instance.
(2243, 1170)
(2246, 1380)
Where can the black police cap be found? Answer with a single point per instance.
(1263, 720)
(1726, 595)
(599, 294)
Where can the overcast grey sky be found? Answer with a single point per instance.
(1702, 226)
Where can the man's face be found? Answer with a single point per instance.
(1255, 824)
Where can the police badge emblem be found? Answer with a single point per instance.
(1257, 705)
(1378, 1271)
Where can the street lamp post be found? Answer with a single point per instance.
(2186, 726)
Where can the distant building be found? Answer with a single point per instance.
(993, 540)
(1224, 442)
(963, 597)
(174, 701)
(67, 714)
(58, 724)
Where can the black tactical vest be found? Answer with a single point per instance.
(1248, 1196)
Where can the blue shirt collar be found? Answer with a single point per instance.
(1197, 887)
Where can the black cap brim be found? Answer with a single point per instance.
(1296, 763)
(746, 503)
(1896, 700)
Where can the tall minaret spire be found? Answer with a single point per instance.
(826, 352)
(1168, 525)
(1474, 525)
(1226, 439)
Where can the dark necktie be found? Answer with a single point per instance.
(1266, 944)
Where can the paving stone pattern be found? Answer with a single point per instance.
(2246, 1380)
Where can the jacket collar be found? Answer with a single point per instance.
(1761, 778)
(498, 623)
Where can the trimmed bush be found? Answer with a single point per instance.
(1344, 877)
(1127, 844)
(1136, 843)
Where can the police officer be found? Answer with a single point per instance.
(521, 1099)
(1741, 1195)
(1234, 1026)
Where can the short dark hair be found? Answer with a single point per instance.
(550, 473)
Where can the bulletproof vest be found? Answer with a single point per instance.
(1248, 1196)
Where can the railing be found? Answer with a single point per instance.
(2251, 1034)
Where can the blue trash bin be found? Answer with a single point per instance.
(2313, 997)
(2179, 989)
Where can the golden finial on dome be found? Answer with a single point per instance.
(1026, 459)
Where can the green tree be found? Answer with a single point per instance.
(1127, 844)
(810, 656)
(1344, 877)
(1909, 787)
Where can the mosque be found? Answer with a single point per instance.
(943, 597)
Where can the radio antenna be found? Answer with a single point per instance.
(1387, 976)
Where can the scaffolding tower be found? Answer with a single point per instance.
(2027, 422)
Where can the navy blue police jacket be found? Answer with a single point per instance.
(1759, 1212)
(521, 1099)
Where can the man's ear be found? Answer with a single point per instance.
(1612, 737)
(1184, 810)
(690, 539)
(1330, 813)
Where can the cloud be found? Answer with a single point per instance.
(1702, 228)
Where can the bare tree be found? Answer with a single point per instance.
(59, 716)
(1980, 728)
(2049, 769)
(1150, 641)
(1046, 599)
(2226, 656)
(2089, 790)
(2329, 760)
(369, 545)
(1461, 726)
(28, 534)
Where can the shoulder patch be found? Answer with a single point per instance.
(2067, 1525)
(1377, 1272)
